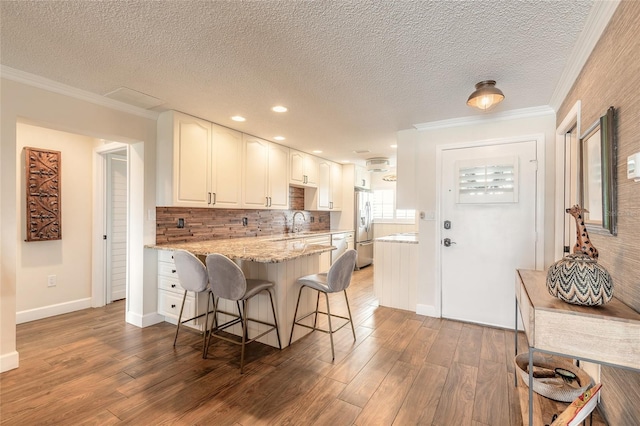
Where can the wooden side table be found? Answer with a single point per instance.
(608, 334)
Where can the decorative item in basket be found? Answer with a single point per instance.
(578, 278)
(555, 378)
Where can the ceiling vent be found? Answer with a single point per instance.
(135, 98)
(378, 164)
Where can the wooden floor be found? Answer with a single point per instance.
(90, 367)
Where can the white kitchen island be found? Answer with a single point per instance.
(395, 271)
(282, 261)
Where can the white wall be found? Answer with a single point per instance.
(29, 104)
(69, 258)
(425, 142)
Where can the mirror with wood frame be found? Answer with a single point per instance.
(597, 153)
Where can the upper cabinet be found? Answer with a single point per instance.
(329, 193)
(303, 169)
(193, 157)
(362, 178)
(266, 174)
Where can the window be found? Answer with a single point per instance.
(384, 208)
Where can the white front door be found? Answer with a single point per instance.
(488, 200)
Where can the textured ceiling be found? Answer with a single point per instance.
(352, 73)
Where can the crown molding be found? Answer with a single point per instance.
(73, 92)
(595, 24)
(477, 119)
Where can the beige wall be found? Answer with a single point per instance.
(69, 258)
(21, 103)
(611, 77)
(425, 142)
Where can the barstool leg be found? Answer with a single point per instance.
(244, 335)
(275, 319)
(350, 319)
(175, 339)
(315, 319)
(215, 319)
(333, 354)
(207, 329)
(295, 315)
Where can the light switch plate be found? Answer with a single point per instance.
(633, 167)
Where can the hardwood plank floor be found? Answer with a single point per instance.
(90, 367)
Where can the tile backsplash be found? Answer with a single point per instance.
(208, 224)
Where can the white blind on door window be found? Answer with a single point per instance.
(489, 180)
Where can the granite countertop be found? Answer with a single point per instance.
(269, 249)
(408, 238)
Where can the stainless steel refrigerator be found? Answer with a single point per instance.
(363, 228)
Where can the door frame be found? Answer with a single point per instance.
(540, 200)
(563, 191)
(99, 264)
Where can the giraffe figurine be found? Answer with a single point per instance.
(583, 243)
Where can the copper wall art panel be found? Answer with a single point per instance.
(43, 194)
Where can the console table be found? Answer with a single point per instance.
(608, 334)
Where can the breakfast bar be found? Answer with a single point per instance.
(281, 259)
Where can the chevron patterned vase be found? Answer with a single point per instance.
(580, 280)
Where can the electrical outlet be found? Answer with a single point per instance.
(51, 281)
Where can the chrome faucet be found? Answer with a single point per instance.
(294, 220)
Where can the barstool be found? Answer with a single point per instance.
(337, 279)
(227, 281)
(192, 276)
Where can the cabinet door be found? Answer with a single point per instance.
(278, 176)
(336, 186)
(226, 172)
(191, 161)
(362, 178)
(297, 166)
(324, 185)
(256, 168)
(311, 169)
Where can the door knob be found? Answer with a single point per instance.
(447, 242)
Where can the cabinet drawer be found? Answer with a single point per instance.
(165, 256)
(167, 270)
(170, 284)
(169, 305)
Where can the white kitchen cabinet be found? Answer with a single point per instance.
(226, 170)
(329, 193)
(170, 294)
(199, 164)
(303, 169)
(362, 178)
(265, 184)
(336, 186)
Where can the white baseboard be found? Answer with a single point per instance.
(143, 321)
(9, 361)
(427, 310)
(52, 310)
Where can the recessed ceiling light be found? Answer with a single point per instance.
(317, 151)
(238, 118)
(279, 138)
(394, 146)
(279, 108)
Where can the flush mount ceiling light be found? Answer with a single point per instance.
(279, 138)
(378, 164)
(485, 96)
(279, 108)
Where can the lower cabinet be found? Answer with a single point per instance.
(170, 294)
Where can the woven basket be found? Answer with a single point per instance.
(555, 389)
(579, 280)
